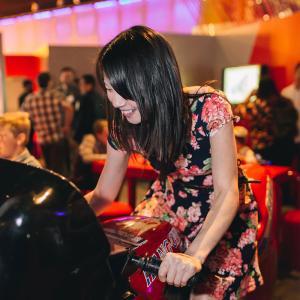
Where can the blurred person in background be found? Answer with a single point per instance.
(292, 92)
(27, 89)
(92, 148)
(68, 85)
(52, 117)
(92, 107)
(272, 121)
(93, 145)
(244, 153)
(14, 135)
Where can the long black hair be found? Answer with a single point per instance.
(141, 66)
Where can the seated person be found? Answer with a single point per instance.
(92, 147)
(14, 136)
(244, 153)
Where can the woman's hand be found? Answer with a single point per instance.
(177, 268)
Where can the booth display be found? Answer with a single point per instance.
(240, 81)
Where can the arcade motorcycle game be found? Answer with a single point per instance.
(52, 246)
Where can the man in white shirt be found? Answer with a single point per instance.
(293, 93)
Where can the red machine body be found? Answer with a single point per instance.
(147, 237)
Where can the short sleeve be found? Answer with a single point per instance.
(216, 112)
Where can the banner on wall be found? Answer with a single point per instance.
(2, 86)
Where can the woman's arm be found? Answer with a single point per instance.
(110, 180)
(176, 268)
(226, 193)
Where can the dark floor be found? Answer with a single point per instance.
(288, 287)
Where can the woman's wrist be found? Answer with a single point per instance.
(199, 257)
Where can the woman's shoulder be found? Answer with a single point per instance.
(210, 109)
(200, 95)
(203, 92)
(198, 90)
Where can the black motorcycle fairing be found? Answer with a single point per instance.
(51, 244)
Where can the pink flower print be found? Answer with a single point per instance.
(196, 229)
(211, 199)
(182, 194)
(195, 193)
(181, 162)
(170, 200)
(195, 170)
(201, 131)
(222, 287)
(194, 121)
(208, 180)
(187, 178)
(194, 143)
(194, 212)
(156, 186)
(247, 237)
(253, 205)
(179, 223)
(216, 112)
(182, 223)
(181, 212)
(201, 99)
(233, 262)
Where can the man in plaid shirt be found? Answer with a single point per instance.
(51, 116)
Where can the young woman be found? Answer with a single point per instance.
(188, 137)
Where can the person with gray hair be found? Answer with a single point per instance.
(14, 135)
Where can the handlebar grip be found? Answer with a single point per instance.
(152, 264)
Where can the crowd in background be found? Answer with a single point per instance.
(68, 120)
(271, 122)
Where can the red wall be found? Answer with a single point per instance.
(27, 66)
(278, 45)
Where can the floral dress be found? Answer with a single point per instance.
(186, 196)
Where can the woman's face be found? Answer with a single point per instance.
(127, 107)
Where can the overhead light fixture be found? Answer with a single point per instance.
(76, 2)
(60, 3)
(34, 7)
